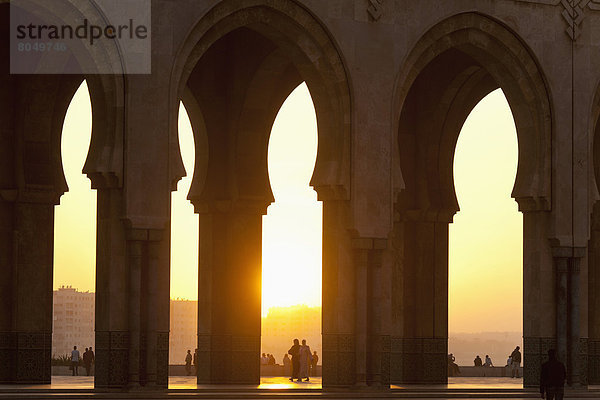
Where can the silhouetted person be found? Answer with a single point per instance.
(87, 362)
(92, 357)
(305, 360)
(477, 361)
(552, 377)
(264, 360)
(516, 362)
(271, 359)
(488, 361)
(75, 360)
(453, 369)
(313, 364)
(195, 361)
(287, 365)
(294, 351)
(188, 362)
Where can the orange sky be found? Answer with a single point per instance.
(485, 247)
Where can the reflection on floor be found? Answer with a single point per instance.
(266, 382)
(189, 383)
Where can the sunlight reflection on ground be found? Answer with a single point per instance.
(189, 382)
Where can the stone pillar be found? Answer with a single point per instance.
(339, 301)
(539, 291)
(229, 293)
(568, 341)
(420, 340)
(7, 243)
(112, 275)
(593, 345)
(148, 310)
(132, 298)
(373, 312)
(26, 338)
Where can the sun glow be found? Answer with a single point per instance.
(292, 226)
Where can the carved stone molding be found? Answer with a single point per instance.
(375, 9)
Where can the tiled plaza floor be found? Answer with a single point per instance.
(189, 382)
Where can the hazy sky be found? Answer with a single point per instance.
(485, 240)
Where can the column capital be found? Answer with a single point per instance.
(529, 203)
(143, 235)
(36, 194)
(369, 243)
(240, 206)
(332, 192)
(568, 251)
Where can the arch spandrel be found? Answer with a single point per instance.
(309, 47)
(512, 66)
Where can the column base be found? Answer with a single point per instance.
(419, 360)
(535, 351)
(112, 359)
(339, 360)
(228, 359)
(25, 357)
(593, 362)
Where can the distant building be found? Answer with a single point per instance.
(73, 320)
(184, 323)
(284, 324)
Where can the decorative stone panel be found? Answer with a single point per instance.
(8, 345)
(339, 360)
(112, 359)
(593, 354)
(535, 351)
(33, 355)
(162, 359)
(418, 360)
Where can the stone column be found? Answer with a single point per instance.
(148, 311)
(420, 339)
(593, 347)
(7, 243)
(229, 293)
(112, 275)
(373, 312)
(27, 222)
(539, 291)
(568, 343)
(339, 297)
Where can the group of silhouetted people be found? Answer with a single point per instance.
(87, 358)
(267, 359)
(188, 362)
(478, 362)
(302, 361)
(513, 362)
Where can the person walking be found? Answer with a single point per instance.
(188, 362)
(287, 365)
(516, 362)
(75, 361)
(195, 361)
(313, 364)
(294, 351)
(552, 378)
(305, 361)
(87, 362)
(92, 359)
